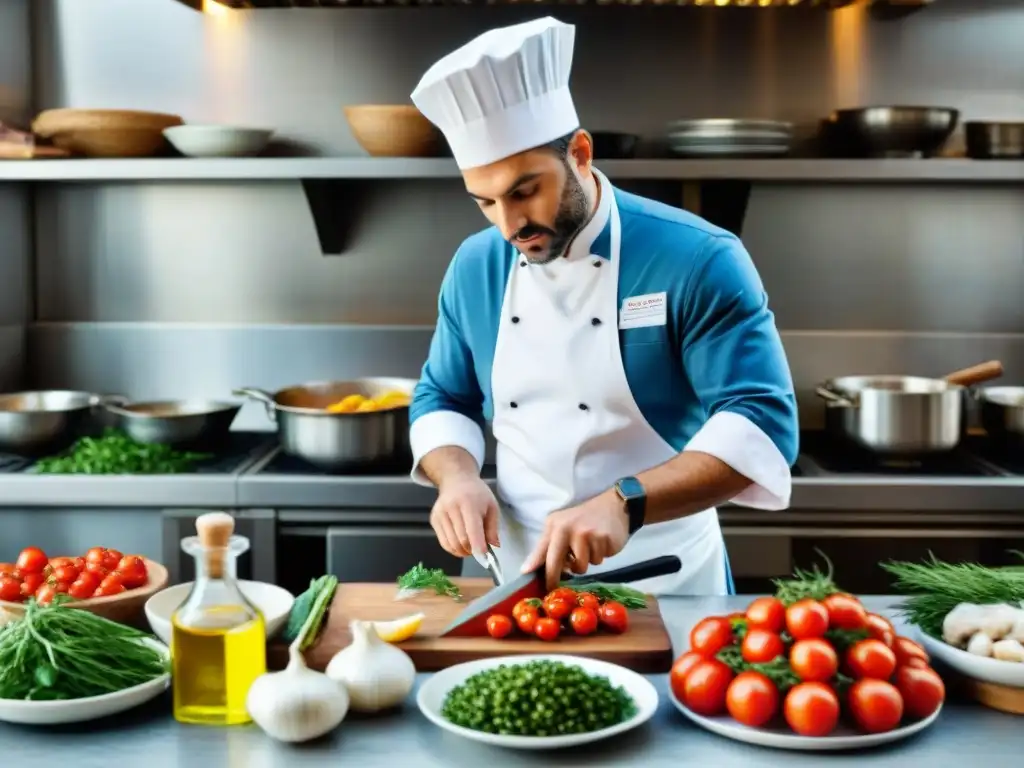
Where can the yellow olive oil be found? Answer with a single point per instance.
(215, 660)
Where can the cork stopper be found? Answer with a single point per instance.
(215, 529)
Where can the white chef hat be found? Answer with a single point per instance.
(502, 93)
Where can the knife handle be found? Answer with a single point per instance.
(645, 569)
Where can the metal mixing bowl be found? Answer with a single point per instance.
(195, 423)
(48, 420)
(889, 131)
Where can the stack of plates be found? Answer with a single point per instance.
(725, 138)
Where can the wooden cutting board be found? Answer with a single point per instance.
(644, 647)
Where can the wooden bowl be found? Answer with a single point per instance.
(125, 608)
(393, 130)
(105, 132)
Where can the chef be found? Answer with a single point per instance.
(622, 349)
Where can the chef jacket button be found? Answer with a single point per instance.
(522, 263)
(515, 318)
(514, 404)
(595, 321)
(597, 263)
(584, 407)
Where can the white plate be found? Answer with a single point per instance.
(433, 692)
(843, 738)
(82, 710)
(1010, 673)
(274, 602)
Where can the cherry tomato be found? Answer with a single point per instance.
(844, 612)
(95, 555)
(66, 573)
(45, 594)
(8, 569)
(57, 562)
(870, 658)
(705, 687)
(32, 560)
(530, 602)
(680, 669)
(527, 619)
(111, 580)
(107, 589)
(922, 690)
(564, 593)
(752, 699)
(806, 619)
(811, 709)
(498, 626)
(547, 629)
(98, 568)
(711, 635)
(761, 646)
(79, 563)
(558, 608)
(767, 613)
(132, 570)
(30, 583)
(583, 620)
(813, 660)
(588, 600)
(111, 558)
(10, 589)
(880, 628)
(614, 617)
(82, 589)
(907, 650)
(875, 705)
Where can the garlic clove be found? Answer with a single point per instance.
(376, 674)
(980, 645)
(1008, 650)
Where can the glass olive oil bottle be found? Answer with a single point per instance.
(218, 640)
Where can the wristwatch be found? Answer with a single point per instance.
(632, 492)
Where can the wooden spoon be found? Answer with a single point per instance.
(976, 374)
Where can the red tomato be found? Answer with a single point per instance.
(95, 555)
(530, 602)
(66, 573)
(79, 563)
(614, 617)
(811, 709)
(82, 589)
(46, 593)
(32, 560)
(527, 619)
(752, 699)
(711, 635)
(806, 619)
(767, 613)
(813, 660)
(583, 620)
(499, 626)
(844, 612)
(31, 583)
(870, 658)
(57, 562)
(880, 628)
(761, 646)
(10, 589)
(680, 669)
(106, 589)
(96, 568)
(875, 705)
(906, 650)
(922, 690)
(565, 593)
(705, 687)
(588, 600)
(8, 569)
(558, 608)
(547, 629)
(111, 558)
(915, 662)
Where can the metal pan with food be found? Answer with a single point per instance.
(41, 421)
(341, 425)
(902, 415)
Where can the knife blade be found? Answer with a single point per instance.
(472, 621)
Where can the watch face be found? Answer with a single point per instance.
(631, 488)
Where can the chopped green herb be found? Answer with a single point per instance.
(317, 597)
(422, 579)
(630, 598)
(114, 453)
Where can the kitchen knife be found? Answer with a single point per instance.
(493, 566)
(472, 622)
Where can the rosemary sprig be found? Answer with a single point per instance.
(422, 578)
(813, 584)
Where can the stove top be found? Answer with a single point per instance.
(1007, 456)
(840, 457)
(283, 464)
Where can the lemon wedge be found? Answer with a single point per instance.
(400, 629)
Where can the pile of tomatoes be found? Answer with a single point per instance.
(99, 573)
(562, 610)
(807, 663)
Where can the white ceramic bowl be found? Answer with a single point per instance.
(274, 602)
(82, 710)
(217, 140)
(1009, 673)
(432, 693)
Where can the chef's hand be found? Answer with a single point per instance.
(465, 516)
(591, 531)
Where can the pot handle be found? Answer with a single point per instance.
(976, 374)
(254, 393)
(106, 400)
(834, 399)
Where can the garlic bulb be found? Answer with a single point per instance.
(297, 704)
(962, 623)
(998, 620)
(376, 674)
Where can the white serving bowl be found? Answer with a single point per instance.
(273, 601)
(218, 140)
(1008, 673)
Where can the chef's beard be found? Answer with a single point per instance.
(573, 213)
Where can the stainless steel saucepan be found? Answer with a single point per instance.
(194, 423)
(902, 415)
(34, 422)
(338, 441)
(1002, 412)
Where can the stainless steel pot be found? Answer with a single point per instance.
(195, 423)
(902, 415)
(1002, 412)
(338, 441)
(35, 422)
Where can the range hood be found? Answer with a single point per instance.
(893, 7)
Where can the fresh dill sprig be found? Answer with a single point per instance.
(421, 578)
